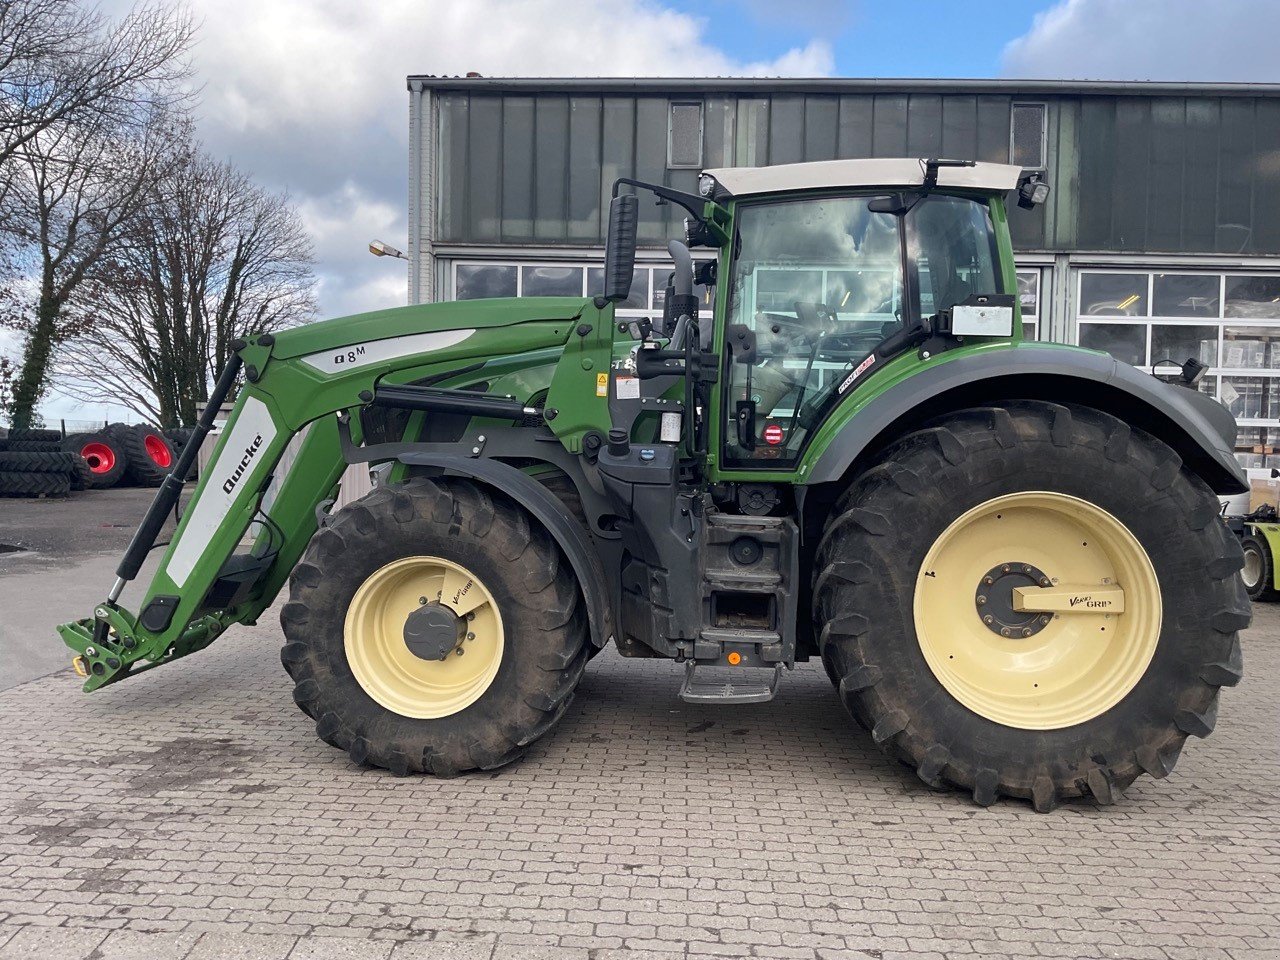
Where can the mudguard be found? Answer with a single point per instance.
(571, 536)
(1201, 430)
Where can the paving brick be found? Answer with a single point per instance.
(644, 828)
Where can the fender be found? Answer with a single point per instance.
(570, 535)
(1201, 430)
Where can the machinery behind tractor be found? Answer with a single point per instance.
(833, 443)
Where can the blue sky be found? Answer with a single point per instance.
(873, 38)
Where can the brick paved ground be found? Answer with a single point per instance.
(192, 813)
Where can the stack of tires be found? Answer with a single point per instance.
(137, 454)
(34, 464)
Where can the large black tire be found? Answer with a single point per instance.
(877, 538)
(104, 455)
(58, 462)
(34, 484)
(148, 454)
(35, 434)
(179, 437)
(1258, 572)
(30, 446)
(539, 600)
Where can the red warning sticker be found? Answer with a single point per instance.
(773, 434)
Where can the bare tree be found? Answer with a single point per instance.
(60, 59)
(210, 258)
(88, 123)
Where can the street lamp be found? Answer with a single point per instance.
(380, 249)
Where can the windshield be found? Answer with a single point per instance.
(821, 283)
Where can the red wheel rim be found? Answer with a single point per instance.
(100, 457)
(158, 451)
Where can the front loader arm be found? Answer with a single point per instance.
(210, 578)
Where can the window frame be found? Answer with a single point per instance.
(702, 133)
(1043, 107)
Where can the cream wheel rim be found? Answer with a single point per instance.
(1081, 610)
(382, 661)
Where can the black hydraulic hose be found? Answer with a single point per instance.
(171, 487)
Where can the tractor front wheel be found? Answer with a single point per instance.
(1032, 600)
(1258, 573)
(433, 627)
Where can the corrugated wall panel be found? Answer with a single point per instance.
(821, 127)
(517, 171)
(1200, 174)
(584, 169)
(484, 173)
(1130, 173)
(854, 139)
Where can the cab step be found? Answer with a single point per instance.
(730, 689)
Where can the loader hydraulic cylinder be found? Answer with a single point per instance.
(171, 488)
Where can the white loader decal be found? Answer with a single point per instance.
(362, 354)
(237, 465)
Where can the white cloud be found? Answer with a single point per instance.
(1171, 40)
(309, 95)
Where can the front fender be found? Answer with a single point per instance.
(1196, 426)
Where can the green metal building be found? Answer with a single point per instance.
(1161, 237)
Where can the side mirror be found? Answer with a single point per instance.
(620, 253)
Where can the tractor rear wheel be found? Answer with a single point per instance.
(1032, 600)
(433, 627)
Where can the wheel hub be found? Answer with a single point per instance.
(994, 600)
(433, 631)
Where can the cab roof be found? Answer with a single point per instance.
(880, 172)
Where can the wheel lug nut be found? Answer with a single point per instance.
(988, 581)
(1004, 631)
(460, 651)
(981, 600)
(1005, 568)
(1044, 582)
(1026, 631)
(988, 619)
(471, 636)
(422, 599)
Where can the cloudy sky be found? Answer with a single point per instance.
(309, 95)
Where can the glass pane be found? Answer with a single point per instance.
(1027, 136)
(1113, 294)
(639, 297)
(1126, 342)
(1184, 295)
(1178, 343)
(1250, 348)
(780, 289)
(551, 281)
(1251, 398)
(1029, 292)
(816, 280)
(1255, 297)
(953, 245)
(476, 281)
(1030, 330)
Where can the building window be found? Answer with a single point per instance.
(1031, 285)
(1027, 136)
(1229, 321)
(684, 136)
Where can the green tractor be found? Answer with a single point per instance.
(833, 443)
